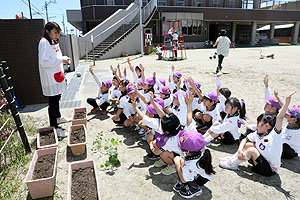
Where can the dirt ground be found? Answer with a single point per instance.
(137, 178)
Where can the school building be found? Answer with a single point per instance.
(201, 19)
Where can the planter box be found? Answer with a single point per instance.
(79, 148)
(79, 121)
(41, 187)
(82, 165)
(39, 146)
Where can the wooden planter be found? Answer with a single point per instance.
(79, 121)
(50, 145)
(41, 187)
(79, 148)
(82, 165)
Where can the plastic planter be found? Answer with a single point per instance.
(79, 148)
(44, 187)
(79, 121)
(50, 145)
(82, 165)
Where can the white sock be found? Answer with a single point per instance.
(209, 138)
(234, 159)
(206, 134)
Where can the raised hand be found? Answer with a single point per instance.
(189, 98)
(125, 73)
(118, 66)
(288, 98)
(91, 69)
(151, 96)
(266, 80)
(134, 103)
(154, 75)
(172, 67)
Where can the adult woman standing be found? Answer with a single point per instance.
(52, 73)
(223, 44)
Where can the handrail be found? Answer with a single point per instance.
(147, 10)
(115, 24)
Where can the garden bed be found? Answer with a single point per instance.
(47, 137)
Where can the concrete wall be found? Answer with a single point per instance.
(19, 47)
(130, 44)
(69, 45)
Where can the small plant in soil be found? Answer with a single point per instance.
(77, 136)
(47, 137)
(79, 115)
(108, 147)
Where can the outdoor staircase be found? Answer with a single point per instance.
(108, 35)
(112, 40)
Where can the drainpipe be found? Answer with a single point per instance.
(141, 27)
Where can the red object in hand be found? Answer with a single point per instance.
(59, 77)
(266, 140)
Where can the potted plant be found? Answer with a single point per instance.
(82, 181)
(77, 139)
(41, 175)
(79, 116)
(46, 138)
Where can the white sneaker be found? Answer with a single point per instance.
(63, 120)
(61, 133)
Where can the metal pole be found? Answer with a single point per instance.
(141, 27)
(14, 111)
(30, 9)
(46, 7)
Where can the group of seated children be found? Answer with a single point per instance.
(179, 121)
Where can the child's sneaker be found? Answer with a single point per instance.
(103, 112)
(227, 164)
(159, 163)
(61, 133)
(189, 192)
(168, 170)
(152, 156)
(178, 186)
(137, 128)
(95, 109)
(141, 132)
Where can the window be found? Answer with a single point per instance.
(195, 26)
(190, 27)
(200, 27)
(111, 2)
(161, 2)
(184, 27)
(216, 3)
(180, 3)
(144, 3)
(232, 3)
(198, 3)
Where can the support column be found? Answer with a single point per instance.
(295, 33)
(256, 4)
(272, 30)
(253, 33)
(233, 32)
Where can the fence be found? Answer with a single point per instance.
(12, 146)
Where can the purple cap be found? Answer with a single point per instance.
(212, 95)
(190, 140)
(165, 90)
(160, 139)
(177, 74)
(176, 94)
(107, 83)
(197, 84)
(129, 89)
(273, 102)
(162, 81)
(140, 82)
(138, 66)
(151, 108)
(150, 81)
(294, 111)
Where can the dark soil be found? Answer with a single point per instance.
(84, 184)
(47, 137)
(79, 115)
(77, 136)
(44, 167)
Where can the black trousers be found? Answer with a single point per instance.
(288, 152)
(220, 60)
(53, 110)
(228, 139)
(93, 103)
